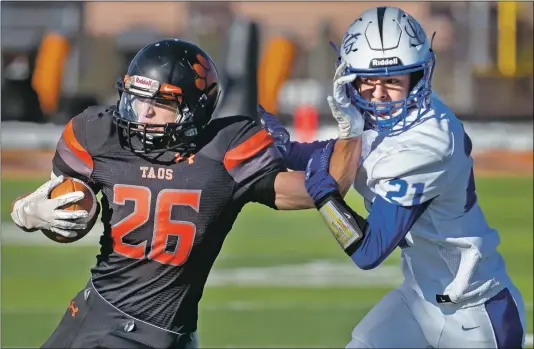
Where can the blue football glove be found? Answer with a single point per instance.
(271, 124)
(319, 183)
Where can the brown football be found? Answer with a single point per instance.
(88, 203)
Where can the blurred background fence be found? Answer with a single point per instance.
(59, 57)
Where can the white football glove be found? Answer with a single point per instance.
(349, 119)
(36, 211)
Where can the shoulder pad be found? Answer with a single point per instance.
(433, 136)
(97, 126)
(98, 111)
(221, 133)
(409, 177)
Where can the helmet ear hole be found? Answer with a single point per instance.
(415, 77)
(356, 84)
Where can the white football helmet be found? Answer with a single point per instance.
(386, 41)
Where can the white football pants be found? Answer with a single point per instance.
(403, 319)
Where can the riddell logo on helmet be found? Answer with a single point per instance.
(385, 62)
(142, 85)
(142, 81)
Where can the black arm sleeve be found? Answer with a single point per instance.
(263, 190)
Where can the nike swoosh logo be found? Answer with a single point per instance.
(171, 89)
(469, 328)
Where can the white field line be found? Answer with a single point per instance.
(313, 274)
(319, 273)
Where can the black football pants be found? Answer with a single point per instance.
(91, 322)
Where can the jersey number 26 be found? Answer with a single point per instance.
(163, 225)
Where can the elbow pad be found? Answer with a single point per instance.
(346, 225)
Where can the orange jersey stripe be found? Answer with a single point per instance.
(75, 146)
(247, 149)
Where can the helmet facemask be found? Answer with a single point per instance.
(387, 115)
(137, 104)
(385, 41)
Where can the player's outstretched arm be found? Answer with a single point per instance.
(299, 153)
(290, 187)
(349, 119)
(340, 167)
(369, 241)
(289, 190)
(296, 154)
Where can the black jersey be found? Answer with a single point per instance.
(165, 218)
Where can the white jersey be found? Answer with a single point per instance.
(450, 250)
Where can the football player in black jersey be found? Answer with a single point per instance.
(173, 180)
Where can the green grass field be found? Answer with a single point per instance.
(280, 280)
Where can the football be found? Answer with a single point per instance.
(88, 203)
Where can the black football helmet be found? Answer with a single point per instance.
(177, 75)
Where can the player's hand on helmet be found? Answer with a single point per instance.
(36, 211)
(271, 124)
(349, 119)
(318, 181)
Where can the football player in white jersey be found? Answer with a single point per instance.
(416, 176)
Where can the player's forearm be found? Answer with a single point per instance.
(290, 192)
(300, 153)
(344, 162)
(369, 241)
